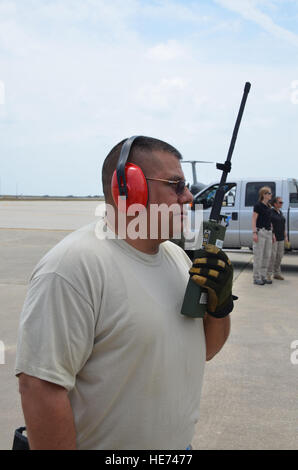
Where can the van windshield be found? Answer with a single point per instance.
(206, 197)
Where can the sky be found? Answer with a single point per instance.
(78, 76)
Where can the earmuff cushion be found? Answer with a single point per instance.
(137, 188)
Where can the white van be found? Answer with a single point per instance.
(240, 197)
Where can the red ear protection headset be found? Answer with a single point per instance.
(128, 181)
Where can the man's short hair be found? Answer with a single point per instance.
(141, 149)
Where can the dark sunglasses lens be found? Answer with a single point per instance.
(180, 187)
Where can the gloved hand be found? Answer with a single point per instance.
(213, 271)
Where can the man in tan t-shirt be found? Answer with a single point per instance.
(105, 360)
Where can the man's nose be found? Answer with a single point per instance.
(186, 197)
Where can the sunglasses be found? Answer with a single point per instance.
(269, 193)
(280, 202)
(180, 184)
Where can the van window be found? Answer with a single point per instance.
(293, 192)
(252, 191)
(206, 197)
(230, 196)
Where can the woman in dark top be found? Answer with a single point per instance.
(279, 229)
(262, 236)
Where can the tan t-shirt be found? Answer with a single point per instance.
(103, 320)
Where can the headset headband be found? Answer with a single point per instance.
(124, 154)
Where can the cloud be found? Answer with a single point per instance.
(162, 96)
(2, 92)
(166, 51)
(248, 10)
(280, 96)
(169, 10)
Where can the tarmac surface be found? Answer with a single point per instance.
(250, 391)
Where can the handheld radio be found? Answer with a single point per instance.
(195, 299)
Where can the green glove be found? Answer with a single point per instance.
(213, 271)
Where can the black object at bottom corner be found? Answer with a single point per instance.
(20, 441)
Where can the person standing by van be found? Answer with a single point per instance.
(262, 236)
(279, 223)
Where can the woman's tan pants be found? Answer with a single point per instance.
(262, 254)
(278, 249)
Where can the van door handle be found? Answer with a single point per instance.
(234, 215)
